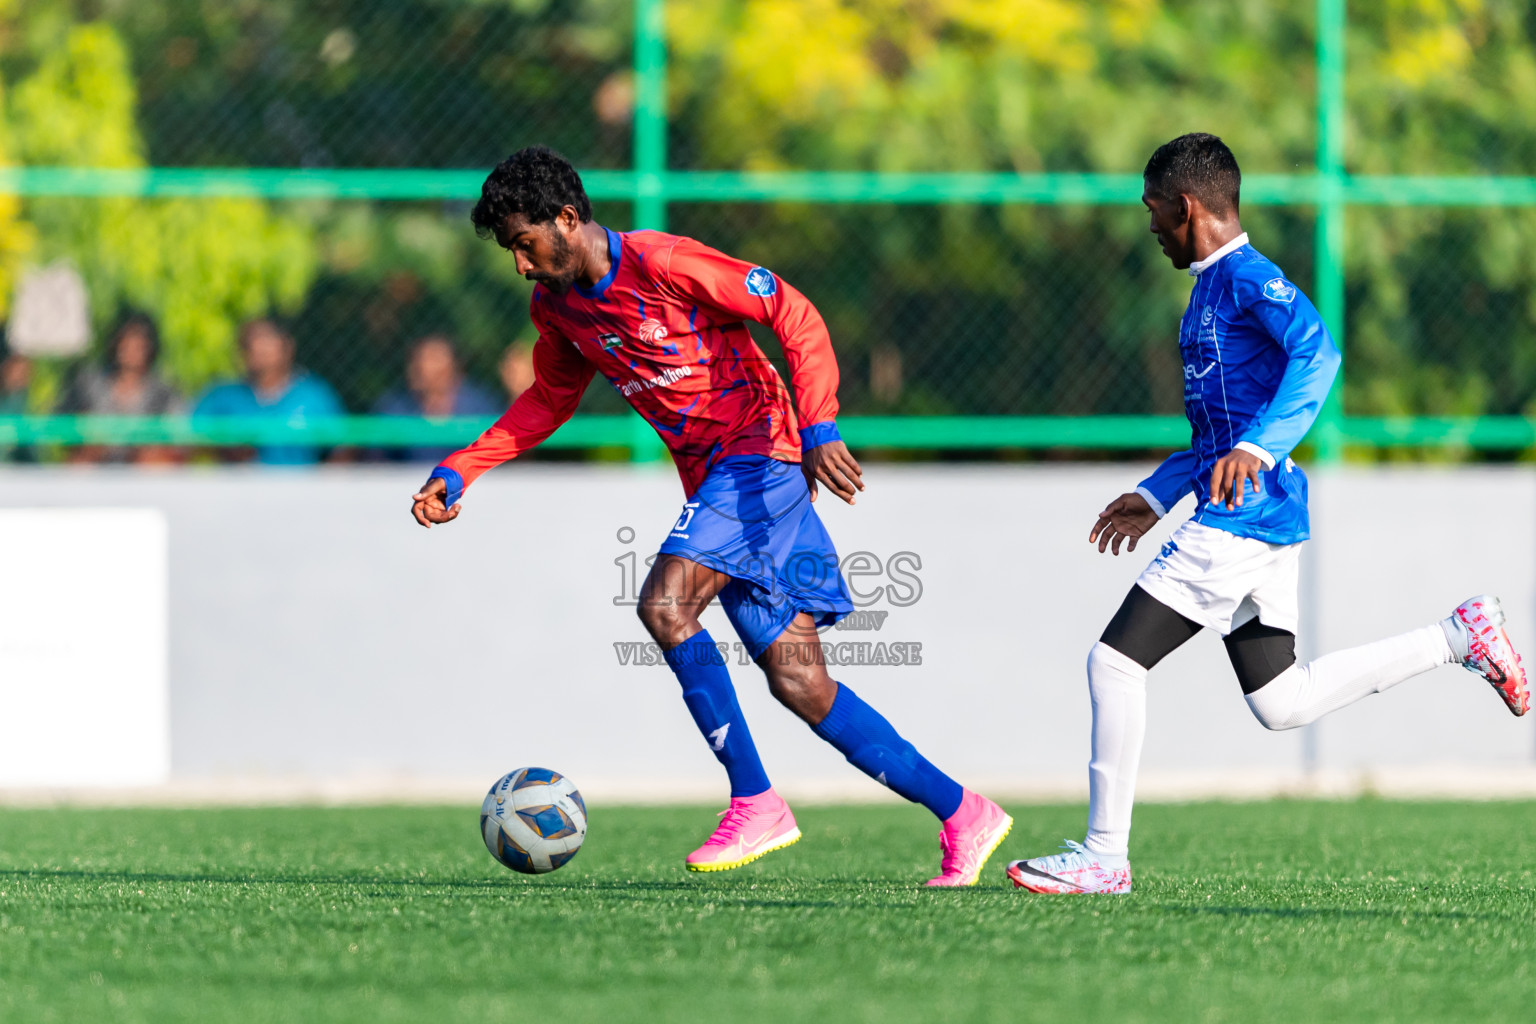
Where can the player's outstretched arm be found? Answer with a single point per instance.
(429, 504)
(834, 465)
(560, 375)
(1127, 518)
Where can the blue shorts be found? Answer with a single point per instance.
(752, 519)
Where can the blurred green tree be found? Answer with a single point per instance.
(949, 308)
(414, 83)
(199, 266)
(1012, 310)
(1441, 302)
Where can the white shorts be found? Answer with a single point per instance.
(1223, 581)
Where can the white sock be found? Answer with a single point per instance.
(1118, 687)
(1304, 693)
(1456, 637)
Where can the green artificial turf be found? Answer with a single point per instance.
(1285, 911)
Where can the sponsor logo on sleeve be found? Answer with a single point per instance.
(761, 282)
(1278, 289)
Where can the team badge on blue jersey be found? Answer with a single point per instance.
(1279, 289)
(609, 341)
(761, 282)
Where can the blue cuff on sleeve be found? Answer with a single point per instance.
(818, 434)
(454, 481)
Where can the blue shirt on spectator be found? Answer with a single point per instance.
(306, 398)
(470, 400)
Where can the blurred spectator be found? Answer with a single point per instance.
(15, 381)
(128, 385)
(274, 388)
(516, 369)
(434, 388)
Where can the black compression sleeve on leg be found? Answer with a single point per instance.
(1259, 653)
(1146, 630)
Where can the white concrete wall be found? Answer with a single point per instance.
(317, 633)
(83, 647)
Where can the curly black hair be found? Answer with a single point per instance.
(536, 182)
(130, 322)
(1196, 164)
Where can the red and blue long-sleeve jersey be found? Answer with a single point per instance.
(666, 327)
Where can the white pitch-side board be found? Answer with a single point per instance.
(84, 696)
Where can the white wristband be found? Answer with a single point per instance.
(1157, 506)
(1253, 449)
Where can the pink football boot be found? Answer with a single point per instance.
(969, 837)
(749, 828)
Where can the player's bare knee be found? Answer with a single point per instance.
(800, 699)
(668, 622)
(803, 689)
(785, 691)
(652, 617)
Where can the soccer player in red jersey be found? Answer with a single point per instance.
(662, 318)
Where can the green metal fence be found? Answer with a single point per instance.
(658, 195)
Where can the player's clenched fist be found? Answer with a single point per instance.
(429, 504)
(1127, 518)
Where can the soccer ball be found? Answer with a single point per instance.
(533, 820)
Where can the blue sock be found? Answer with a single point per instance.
(866, 739)
(711, 698)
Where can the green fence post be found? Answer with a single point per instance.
(1328, 254)
(650, 149)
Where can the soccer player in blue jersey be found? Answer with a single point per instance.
(1258, 363)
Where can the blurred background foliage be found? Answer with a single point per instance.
(200, 266)
(945, 308)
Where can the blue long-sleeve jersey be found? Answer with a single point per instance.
(1258, 362)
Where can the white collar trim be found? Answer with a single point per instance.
(1196, 269)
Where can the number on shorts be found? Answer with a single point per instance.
(687, 516)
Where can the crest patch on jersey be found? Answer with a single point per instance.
(761, 282)
(652, 330)
(1279, 289)
(609, 341)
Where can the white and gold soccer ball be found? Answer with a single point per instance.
(533, 820)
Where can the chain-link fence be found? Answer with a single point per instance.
(1055, 305)
(349, 83)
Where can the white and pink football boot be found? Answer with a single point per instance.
(1076, 871)
(1476, 634)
